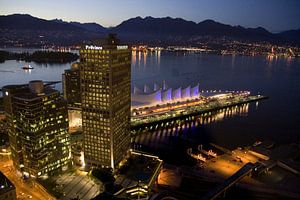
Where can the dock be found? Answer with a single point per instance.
(140, 121)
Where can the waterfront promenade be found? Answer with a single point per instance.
(163, 113)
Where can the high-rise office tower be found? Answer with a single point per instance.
(38, 127)
(71, 90)
(71, 86)
(105, 73)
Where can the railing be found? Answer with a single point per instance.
(138, 121)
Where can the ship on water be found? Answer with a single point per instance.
(27, 67)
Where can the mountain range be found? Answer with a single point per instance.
(26, 30)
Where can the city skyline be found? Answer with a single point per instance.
(275, 16)
(170, 99)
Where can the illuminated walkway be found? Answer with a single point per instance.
(152, 115)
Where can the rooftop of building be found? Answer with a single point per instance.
(34, 89)
(19, 86)
(138, 174)
(32, 96)
(74, 67)
(5, 184)
(109, 42)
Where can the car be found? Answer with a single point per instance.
(29, 197)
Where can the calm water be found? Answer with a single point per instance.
(11, 72)
(276, 119)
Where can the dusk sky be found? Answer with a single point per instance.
(274, 15)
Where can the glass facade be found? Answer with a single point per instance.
(105, 93)
(71, 90)
(71, 86)
(38, 130)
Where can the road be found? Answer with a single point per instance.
(28, 189)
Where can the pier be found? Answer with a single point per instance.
(153, 115)
(229, 182)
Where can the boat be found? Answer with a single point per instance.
(27, 67)
(208, 153)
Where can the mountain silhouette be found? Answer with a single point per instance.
(148, 30)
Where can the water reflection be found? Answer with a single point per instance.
(133, 58)
(161, 133)
(158, 57)
(142, 59)
(232, 61)
(140, 55)
(27, 71)
(145, 58)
